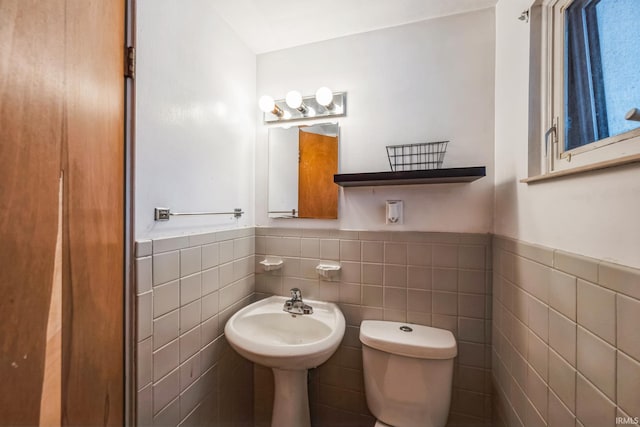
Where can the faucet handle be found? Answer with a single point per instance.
(295, 305)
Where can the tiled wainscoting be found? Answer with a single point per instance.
(437, 279)
(566, 346)
(187, 287)
(565, 352)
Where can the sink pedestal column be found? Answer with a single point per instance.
(291, 399)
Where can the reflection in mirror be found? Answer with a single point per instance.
(302, 162)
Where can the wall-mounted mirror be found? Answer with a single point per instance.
(302, 162)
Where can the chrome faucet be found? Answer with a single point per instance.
(295, 305)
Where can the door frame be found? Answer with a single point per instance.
(129, 215)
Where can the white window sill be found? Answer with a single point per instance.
(635, 158)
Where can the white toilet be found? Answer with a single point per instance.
(408, 372)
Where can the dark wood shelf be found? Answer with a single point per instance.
(431, 176)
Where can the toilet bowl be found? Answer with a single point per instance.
(408, 373)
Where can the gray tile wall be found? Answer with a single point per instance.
(187, 287)
(566, 351)
(566, 346)
(435, 279)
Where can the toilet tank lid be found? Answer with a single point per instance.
(422, 342)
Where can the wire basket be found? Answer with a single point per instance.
(412, 157)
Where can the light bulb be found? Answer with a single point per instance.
(267, 104)
(294, 99)
(324, 96)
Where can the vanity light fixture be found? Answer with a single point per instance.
(324, 97)
(295, 106)
(294, 100)
(268, 105)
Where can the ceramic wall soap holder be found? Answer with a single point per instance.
(271, 263)
(328, 270)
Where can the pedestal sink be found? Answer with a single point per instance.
(289, 344)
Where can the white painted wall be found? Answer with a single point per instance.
(596, 214)
(427, 81)
(195, 118)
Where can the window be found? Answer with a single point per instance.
(593, 60)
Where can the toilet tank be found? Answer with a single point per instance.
(408, 372)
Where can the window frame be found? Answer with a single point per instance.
(552, 115)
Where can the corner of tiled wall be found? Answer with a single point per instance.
(187, 287)
(435, 279)
(566, 349)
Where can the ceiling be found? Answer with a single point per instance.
(267, 25)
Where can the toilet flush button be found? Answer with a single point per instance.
(406, 329)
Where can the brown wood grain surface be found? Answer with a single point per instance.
(93, 291)
(317, 193)
(62, 109)
(31, 116)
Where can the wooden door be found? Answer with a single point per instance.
(62, 115)
(31, 132)
(93, 274)
(317, 193)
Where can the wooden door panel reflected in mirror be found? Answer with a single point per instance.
(317, 193)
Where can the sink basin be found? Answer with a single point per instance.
(290, 344)
(263, 333)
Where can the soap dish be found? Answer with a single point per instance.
(328, 270)
(272, 263)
